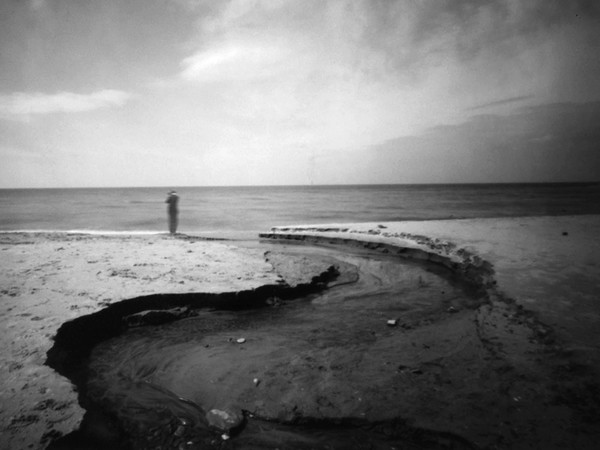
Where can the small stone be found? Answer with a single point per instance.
(452, 309)
(224, 420)
(392, 322)
(241, 340)
(256, 381)
(225, 436)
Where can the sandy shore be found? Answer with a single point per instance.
(549, 266)
(47, 280)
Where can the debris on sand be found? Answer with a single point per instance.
(224, 420)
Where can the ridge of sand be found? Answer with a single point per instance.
(550, 265)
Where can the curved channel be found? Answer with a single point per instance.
(342, 363)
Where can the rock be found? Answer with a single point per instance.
(224, 421)
(392, 322)
(241, 340)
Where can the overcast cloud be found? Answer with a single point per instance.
(157, 92)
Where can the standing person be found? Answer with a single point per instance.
(172, 200)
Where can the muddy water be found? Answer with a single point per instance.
(325, 371)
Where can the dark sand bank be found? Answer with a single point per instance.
(466, 364)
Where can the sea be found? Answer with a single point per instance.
(248, 210)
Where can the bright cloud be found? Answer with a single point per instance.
(21, 104)
(233, 62)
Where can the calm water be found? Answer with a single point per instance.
(214, 210)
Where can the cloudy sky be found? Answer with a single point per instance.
(244, 92)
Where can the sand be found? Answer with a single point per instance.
(49, 279)
(549, 265)
(542, 316)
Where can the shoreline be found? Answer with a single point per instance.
(394, 220)
(49, 279)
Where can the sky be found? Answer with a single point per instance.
(292, 92)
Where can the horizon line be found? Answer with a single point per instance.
(307, 185)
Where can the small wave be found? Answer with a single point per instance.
(90, 232)
(117, 233)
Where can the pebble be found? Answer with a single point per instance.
(241, 340)
(224, 420)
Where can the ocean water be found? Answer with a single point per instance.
(230, 210)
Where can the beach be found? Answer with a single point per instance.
(48, 279)
(516, 369)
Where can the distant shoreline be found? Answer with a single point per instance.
(257, 231)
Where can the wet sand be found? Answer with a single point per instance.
(523, 376)
(549, 265)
